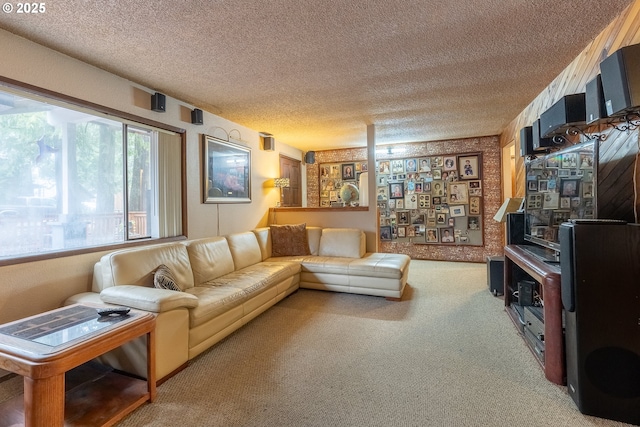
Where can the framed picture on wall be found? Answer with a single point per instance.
(396, 190)
(449, 163)
(432, 235)
(385, 232)
(227, 172)
(469, 167)
(348, 171)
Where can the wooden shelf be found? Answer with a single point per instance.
(94, 396)
(519, 262)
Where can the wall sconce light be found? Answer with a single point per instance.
(159, 102)
(282, 182)
(197, 116)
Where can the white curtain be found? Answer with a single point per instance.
(169, 185)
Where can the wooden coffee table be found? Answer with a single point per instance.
(45, 347)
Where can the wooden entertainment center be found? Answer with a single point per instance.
(524, 263)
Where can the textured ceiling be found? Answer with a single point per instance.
(316, 73)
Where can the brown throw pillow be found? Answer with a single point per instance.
(163, 279)
(289, 240)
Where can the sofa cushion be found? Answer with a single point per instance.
(210, 258)
(148, 299)
(135, 266)
(163, 279)
(342, 242)
(289, 240)
(263, 235)
(245, 249)
(213, 301)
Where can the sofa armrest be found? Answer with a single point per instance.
(148, 299)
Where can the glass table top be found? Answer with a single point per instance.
(61, 326)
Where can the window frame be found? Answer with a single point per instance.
(113, 114)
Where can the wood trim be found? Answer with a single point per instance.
(35, 90)
(327, 210)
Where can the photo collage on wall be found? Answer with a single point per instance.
(560, 186)
(431, 200)
(334, 177)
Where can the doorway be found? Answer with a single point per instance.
(290, 168)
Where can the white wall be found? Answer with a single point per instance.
(31, 288)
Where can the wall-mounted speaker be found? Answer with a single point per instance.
(197, 117)
(568, 111)
(310, 157)
(538, 142)
(526, 141)
(594, 100)
(621, 80)
(269, 143)
(159, 102)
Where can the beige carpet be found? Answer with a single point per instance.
(446, 355)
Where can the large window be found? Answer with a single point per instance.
(72, 179)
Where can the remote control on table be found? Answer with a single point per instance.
(108, 311)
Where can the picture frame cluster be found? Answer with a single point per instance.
(431, 199)
(333, 176)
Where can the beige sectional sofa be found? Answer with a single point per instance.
(227, 281)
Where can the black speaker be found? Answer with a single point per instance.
(621, 80)
(570, 110)
(594, 100)
(495, 275)
(526, 141)
(600, 294)
(310, 157)
(515, 228)
(269, 143)
(197, 117)
(158, 102)
(538, 142)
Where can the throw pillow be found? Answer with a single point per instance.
(289, 240)
(163, 279)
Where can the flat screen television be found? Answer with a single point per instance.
(559, 186)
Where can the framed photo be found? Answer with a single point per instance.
(424, 201)
(586, 161)
(425, 164)
(227, 171)
(458, 192)
(436, 174)
(382, 193)
(403, 217)
(384, 167)
(469, 167)
(449, 163)
(474, 205)
(348, 171)
(410, 165)
(385, 232)
(396, 190)
(456, 211)
(401, 232)
(432, 235)
(587, 190)
(399, 204)
(446, 235)
(397, 166)
(569, 187)
(550, 201)
(569, 160)
(473, 223)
